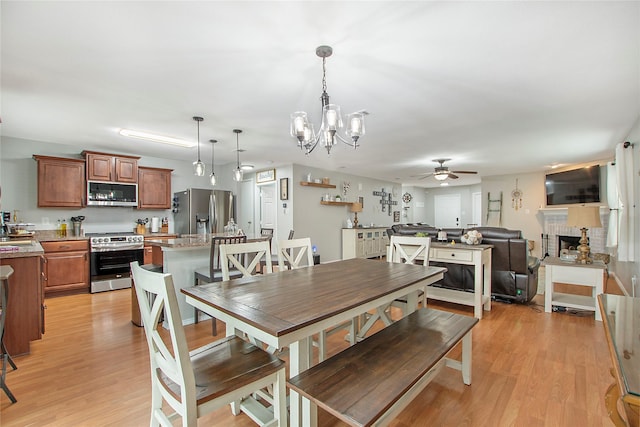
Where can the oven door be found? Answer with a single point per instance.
(110, 270)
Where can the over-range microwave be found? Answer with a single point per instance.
(111, 194)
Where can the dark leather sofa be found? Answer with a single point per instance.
(514, 275)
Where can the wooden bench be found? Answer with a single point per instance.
(371, 382)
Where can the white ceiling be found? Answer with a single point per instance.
(498, 87)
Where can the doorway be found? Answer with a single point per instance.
(447, 210)
(268, 213)
(246, 207)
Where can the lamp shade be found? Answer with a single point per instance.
(356, 207)
(584, 217)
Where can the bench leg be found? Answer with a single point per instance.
(466, 358)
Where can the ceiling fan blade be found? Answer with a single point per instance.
(452, 176)
(425, 176)
(422, 175)
(473, 172)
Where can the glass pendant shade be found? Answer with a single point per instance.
(198, 166)
(212, 177)
(237, 173)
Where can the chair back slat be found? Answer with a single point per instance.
(409, 249)
(244, 257)
(169, 368)
(292, 253)
(214, 254)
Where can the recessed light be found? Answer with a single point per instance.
(157, 138)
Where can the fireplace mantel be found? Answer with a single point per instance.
(564, 211)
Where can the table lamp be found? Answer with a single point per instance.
(583, 217)
(355, 208)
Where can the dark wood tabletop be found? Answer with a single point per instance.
(283, 302)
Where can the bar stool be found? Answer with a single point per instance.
(5, 272)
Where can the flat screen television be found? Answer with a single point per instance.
(573, 186)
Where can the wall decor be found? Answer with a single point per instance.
(284, 188)
(266, 176)
(361, 201)
(385, 199)
(406, 197)
(396, 216)
(516, 197)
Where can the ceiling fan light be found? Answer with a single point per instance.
(440, 176)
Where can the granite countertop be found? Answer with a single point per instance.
(193, 241)
(26, 248)
(54, 236)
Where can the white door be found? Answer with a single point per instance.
(245, 206)
(268, 207)
(447, 210)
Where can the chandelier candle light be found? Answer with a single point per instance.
(237, 174)
(583, 217)
(198, 166)
(303, 130)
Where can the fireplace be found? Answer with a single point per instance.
(556, 235)
(567, 242)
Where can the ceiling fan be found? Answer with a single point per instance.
(442, 172)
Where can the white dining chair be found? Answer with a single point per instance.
(226, 371)
(402, 249)
(244, 257)
(298, 253)
(409, 250)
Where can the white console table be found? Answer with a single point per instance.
(558, 271)
(477, 255)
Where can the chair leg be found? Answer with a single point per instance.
(3, 384)
(214, 326)
(4, 351)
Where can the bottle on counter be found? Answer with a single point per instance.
(63, 228)
(59, 228)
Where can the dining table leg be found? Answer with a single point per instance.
(302, 411)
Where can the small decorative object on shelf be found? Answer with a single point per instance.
(325, 180)
(472, 237)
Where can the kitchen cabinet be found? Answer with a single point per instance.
(154, 188)
(153, 254)
(111, 167)
(61, 182)
(364, 242)
(66, 266)
(25, 309)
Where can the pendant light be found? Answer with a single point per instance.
(237, 174)
(198, 166)
(212, 177)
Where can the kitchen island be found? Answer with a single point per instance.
(181, 257)
(25, 308)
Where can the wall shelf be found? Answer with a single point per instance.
(316, 184)
(322, 202)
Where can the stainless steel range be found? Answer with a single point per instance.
(111, 254)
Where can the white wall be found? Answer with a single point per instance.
(18, 178)
(324, 223)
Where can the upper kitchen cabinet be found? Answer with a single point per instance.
(61, 182)
(111, 167)
(154, 188)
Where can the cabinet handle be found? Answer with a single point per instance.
(64, 247)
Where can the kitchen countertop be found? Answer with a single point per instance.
(191, 241)
(26, 249)
(53, 236)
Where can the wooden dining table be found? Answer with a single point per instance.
(285, 309)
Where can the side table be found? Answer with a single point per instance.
(558, 271)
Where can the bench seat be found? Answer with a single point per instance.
(370, 382)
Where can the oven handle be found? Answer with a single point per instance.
(117, 248)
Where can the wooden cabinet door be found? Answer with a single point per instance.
(126, 169)
(99, 167)
(148, 255)
(66, 271)
(154, 188)
(61, 182)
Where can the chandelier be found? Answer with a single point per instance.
(238, 173)
(198, 166)
(329, 133)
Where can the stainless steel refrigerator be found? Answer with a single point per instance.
(202, 211)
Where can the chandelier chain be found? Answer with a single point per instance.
(324, 75)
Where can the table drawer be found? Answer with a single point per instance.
(65, 245)
(438, 254)
(576, 275)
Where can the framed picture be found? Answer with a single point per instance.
(284, 188)
(396, 216)
(361, 201)
(266, 176)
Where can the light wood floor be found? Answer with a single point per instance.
(530, 368)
